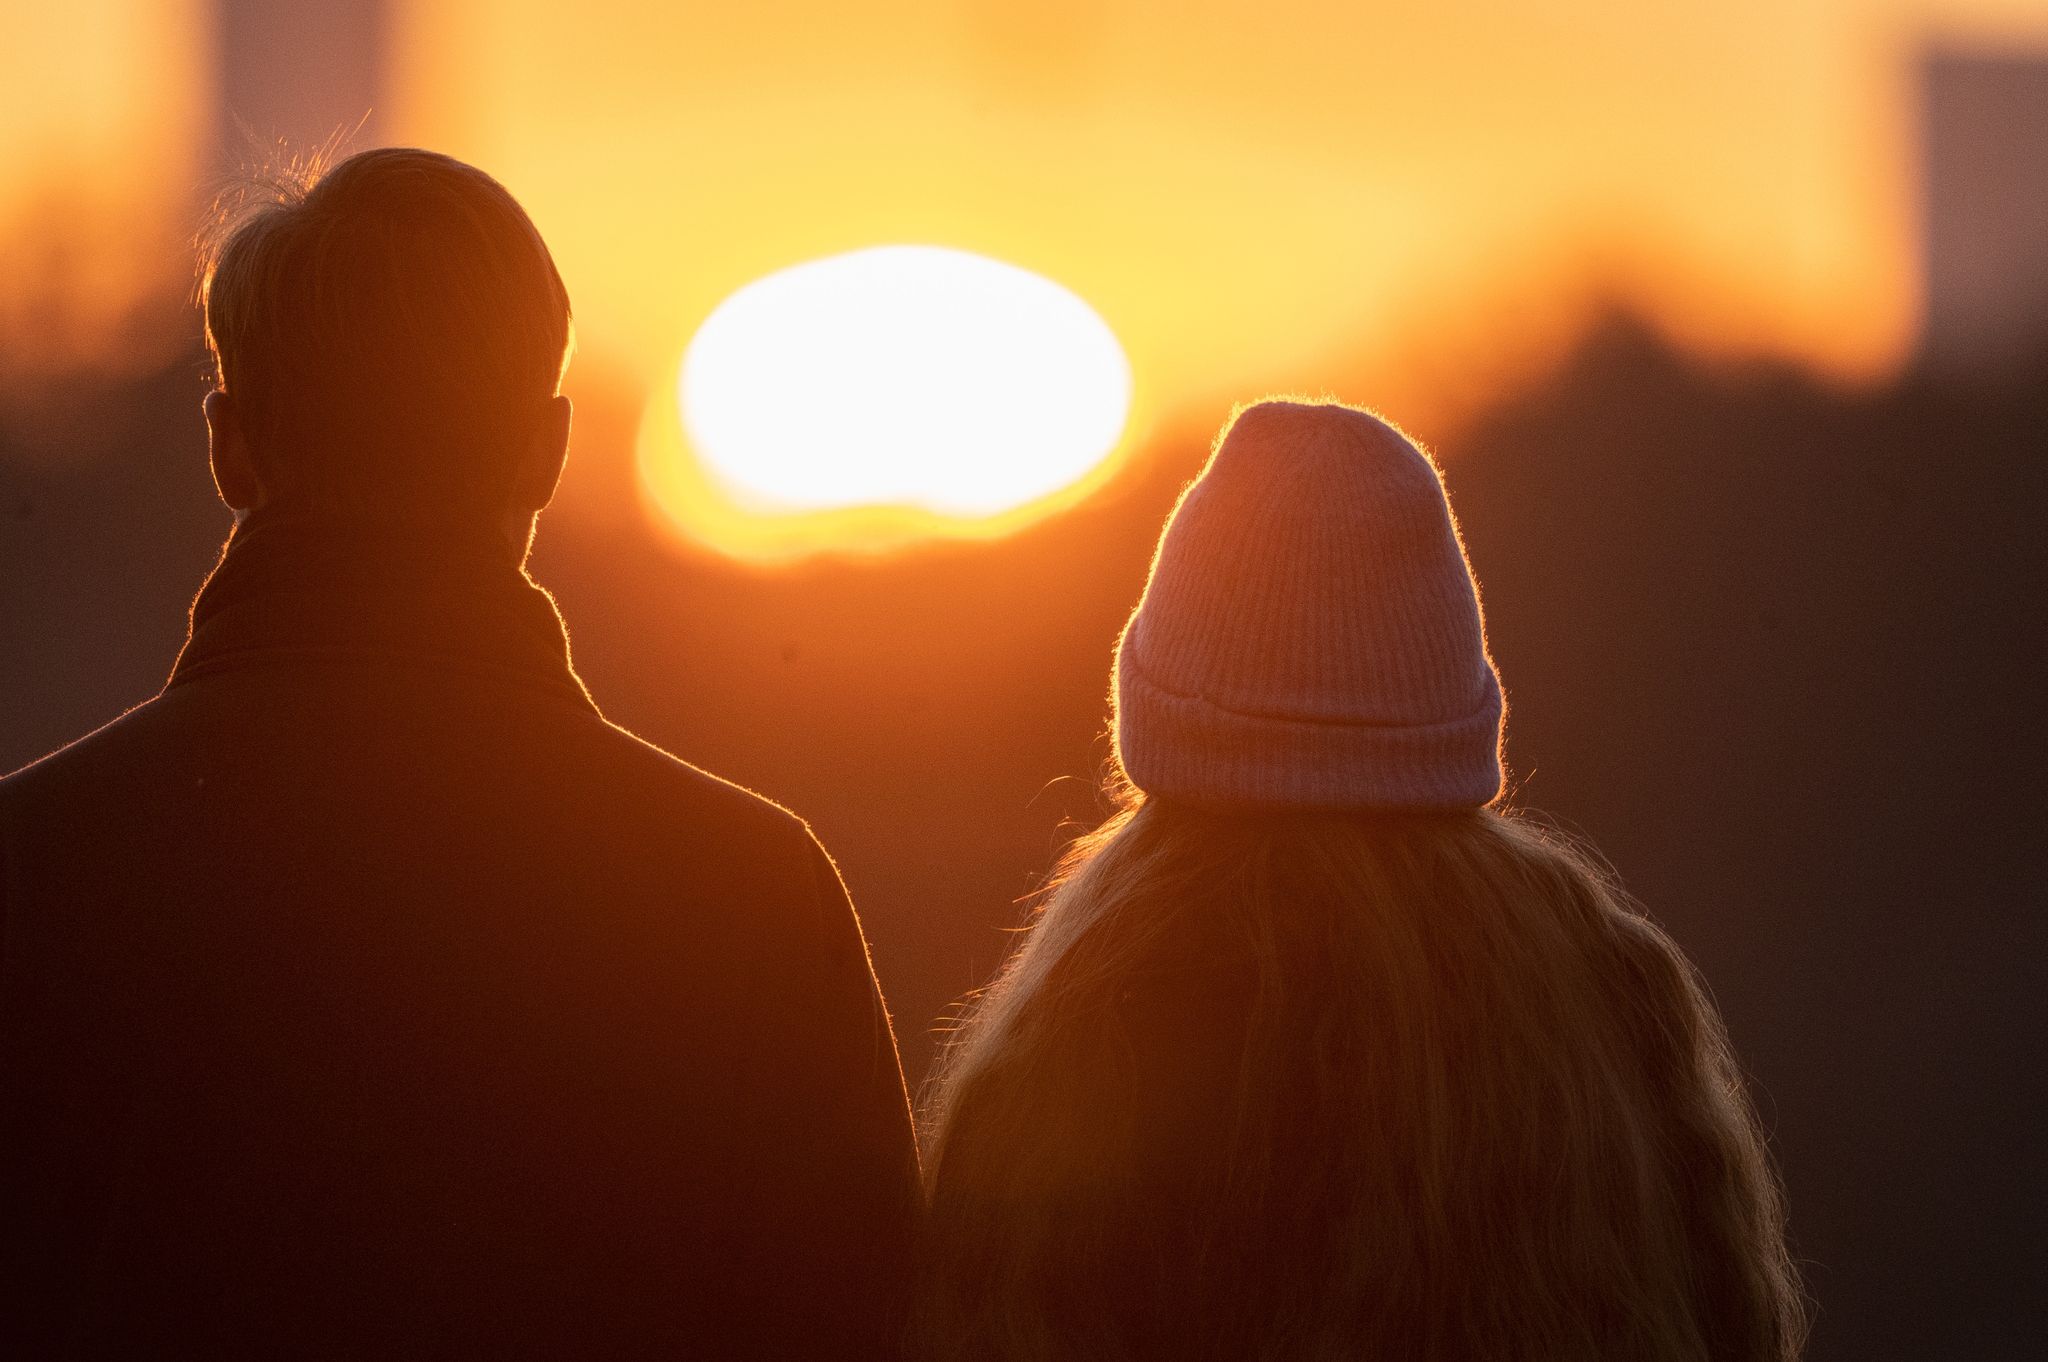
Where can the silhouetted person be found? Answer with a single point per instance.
(366, 993)
(1314, 1050)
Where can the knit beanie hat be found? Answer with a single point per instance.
(1310, 636)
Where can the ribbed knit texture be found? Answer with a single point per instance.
(1310, 636)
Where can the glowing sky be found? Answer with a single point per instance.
(99, 103)
(1242, 190)
(1250, 194)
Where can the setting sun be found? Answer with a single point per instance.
(885, 395)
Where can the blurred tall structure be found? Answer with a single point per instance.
(1984, 211)
(298, 71)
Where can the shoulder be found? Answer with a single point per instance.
(702, 818)
(104, 748)
(687, 790)
(761, 863)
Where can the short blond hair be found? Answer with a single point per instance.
(384, 325)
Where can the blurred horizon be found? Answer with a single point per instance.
(1439, 199)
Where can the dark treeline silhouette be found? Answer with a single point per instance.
(1766, 642)
(1772, 644)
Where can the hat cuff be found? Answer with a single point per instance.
(1184, 747)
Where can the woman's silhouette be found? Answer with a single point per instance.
(1314, 1050)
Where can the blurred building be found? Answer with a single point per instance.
(1984, 207)
(300, 72)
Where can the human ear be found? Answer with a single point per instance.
(227, 450)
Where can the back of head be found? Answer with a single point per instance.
(1312, 1052)
(386, 328)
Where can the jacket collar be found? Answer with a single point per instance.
(318, 590)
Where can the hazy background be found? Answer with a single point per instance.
(1729, 322)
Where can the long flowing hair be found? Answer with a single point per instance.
(1284, 1086)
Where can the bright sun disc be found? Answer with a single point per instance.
(888, 394)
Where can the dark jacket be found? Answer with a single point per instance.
(367, 993)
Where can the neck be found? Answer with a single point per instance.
(314, 586)
(399, 531)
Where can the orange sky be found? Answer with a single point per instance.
(98, 102)
(1251, 194)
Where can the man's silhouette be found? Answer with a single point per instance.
(367, 993)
